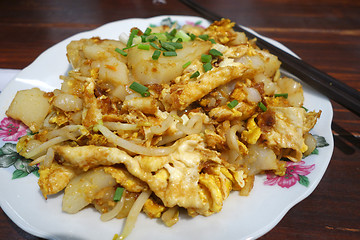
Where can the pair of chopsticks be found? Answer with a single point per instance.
(332, 88)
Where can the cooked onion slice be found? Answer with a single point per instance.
(134, 213)
(114, 212)
(132, 147)
(43, 147)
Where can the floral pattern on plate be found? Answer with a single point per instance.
(296, 172)
(10, 131)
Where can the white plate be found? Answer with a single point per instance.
(240, 218)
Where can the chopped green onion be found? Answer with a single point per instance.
(147, 31)
(130, 47)
(176, 45)
(186, 65)
(207, 66)
(233, 104)
(155, 46)
(137, 40)
(192, 36)
(173, 32)
(182, 35)
(156, 55)
(137, 87)
(122, 52)
(133, 33)
(215, 52)
(195, 74)
(143, 38)
(144, 46)
(152, 25)
(262, 106)
(284, 95)
(161, 36)
(118, 194)
(177, 40)
(206, 58)
(167, 46)
(204, 37)
(168, 36)
(212, 41)
(305, 108)
(169, 54)
(151, 38)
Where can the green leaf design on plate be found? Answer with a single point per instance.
(19, 174)
(316, 151)
(7, 149)
(304, 180)
(9, 157)
(36, 172)
(320, 141)
(23, 165)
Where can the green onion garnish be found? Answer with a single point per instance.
(215, 52)
(137, 40)
(161, 36)
(204, 37)
(143, 46)
(176, 45)
(156, 55)
(206, 58)
(284, 95)
(207, 66)
(182, 35)
(147, 31)
(233, 104)
(186, 65)
(305, 108)
(155, 46)
(212, 41)
(169, 36)
(133, 33)
(151, 38)
(195, 74)
(170, 54)
(262, 106)
(118, 194)
(130, 47)
(122, 52)
(173, 32)
(167, 46)
(137, 87)
(192, 36)
(177, 40)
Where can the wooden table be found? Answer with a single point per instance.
(325, 33)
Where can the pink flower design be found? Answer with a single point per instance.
(195, 24)
(295, 172)
(11, 130)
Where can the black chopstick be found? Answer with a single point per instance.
(332, 88)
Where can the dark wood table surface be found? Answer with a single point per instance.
(325, 33)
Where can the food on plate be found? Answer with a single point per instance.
(163, 119)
